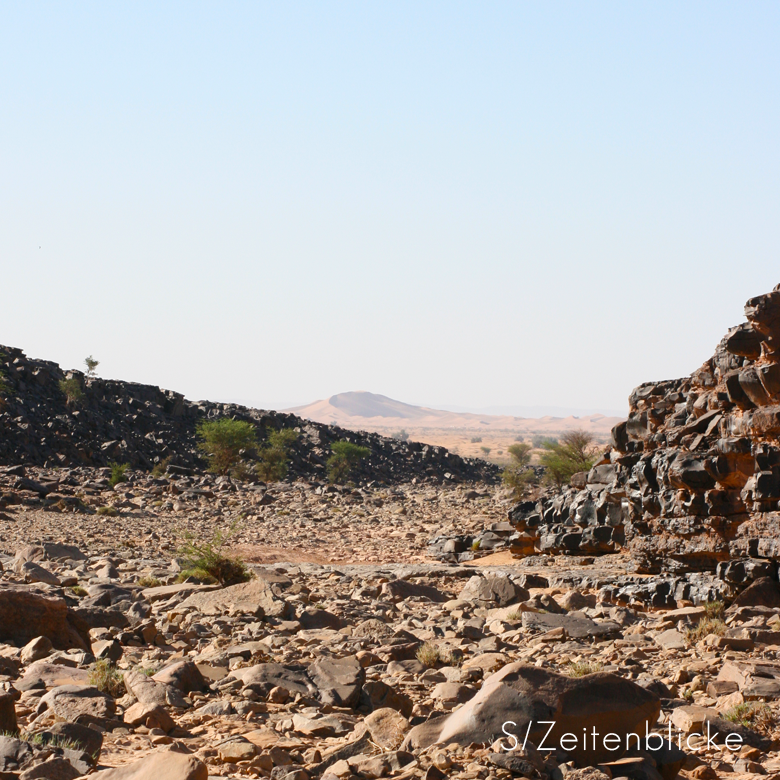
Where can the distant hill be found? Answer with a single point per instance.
(372, 412)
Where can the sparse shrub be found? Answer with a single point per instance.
(71, 389)
(77, 590)
(91, 365)
(714, 610)
(705, 627)
(402, 435)
(149, 581)
(159, 469)
(754, 715)
(476, 544)
(518, 475)
(542, 442)
(224, 441)
(344, 459)
(430, 654)
(476, 439)
(206, 556)
(583, 668)
(485, 450)
(118, 473)
(575, 452)
(108, 511)
(200, 575)
(515, 614)
(107, 678)
(272, 459)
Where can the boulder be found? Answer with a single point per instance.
(148, 691)
(397, 590)
(8, 698)
(261, 678)
(163, 765)
(528, 695)
(25, 615)
(493, 591)
(388, 727)
(54, 768)
(255, 597)
(339, 680)
(68, 702)
(763, 592)
(183, 675)
(575, 624)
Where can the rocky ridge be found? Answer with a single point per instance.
(143, 425)
(692, 479)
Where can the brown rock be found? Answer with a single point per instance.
(25, 615)
(165, 765)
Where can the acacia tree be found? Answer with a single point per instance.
(574, 452)
(518, 475)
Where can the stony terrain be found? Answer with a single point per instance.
(415, 624)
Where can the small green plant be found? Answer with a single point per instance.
(273, 457)
(344, 459)
(77, 590)
(687, 694)
(149, 581)
(753, 715)
(562, 460)
(207, 557)
(118, 473)
(108, 511)
(107, 678)
(91, 365)
(476, 544)
(476, 439)
(515, 614)
(224, 440)
(583, 668)
(200, 575)
(71, 389)
(705, 627)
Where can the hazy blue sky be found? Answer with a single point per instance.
(472, 204)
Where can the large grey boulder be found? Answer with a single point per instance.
(493, 591)
(339, 681)
(528, 695)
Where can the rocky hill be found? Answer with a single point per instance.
(692, 479)
(142, 425)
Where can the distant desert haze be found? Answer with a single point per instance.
(463, 432)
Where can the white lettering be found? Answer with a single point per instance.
(711, 744)
(569, 738)
(510, 735)
(552, 726)
(734, 748)
(688, 741)
(612, 738)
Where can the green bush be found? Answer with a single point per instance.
(273, 457)
(118, 473)
(518, 475)
(206, 557)
(345, 457)
(223, 442)
(573, 453)
(91, 365)
(107, 678)
(71, 389)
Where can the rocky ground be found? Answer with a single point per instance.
(352, 652)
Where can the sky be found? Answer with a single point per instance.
(472, 205)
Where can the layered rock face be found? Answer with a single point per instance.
(142, 424)
(692, 480)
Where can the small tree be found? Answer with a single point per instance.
(573, 453)
(518, 475)
(402, 435)
(345, 457)
(274, 456)
(91, 365)
(71, 389)
(118, 473)
(224, 440)
(485, 450)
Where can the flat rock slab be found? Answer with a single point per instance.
(671, 639)
(69, 701)
(263, 677)
(164, 765)
(249, 598)
(339, 681)
(575, 624)
(43, 674)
